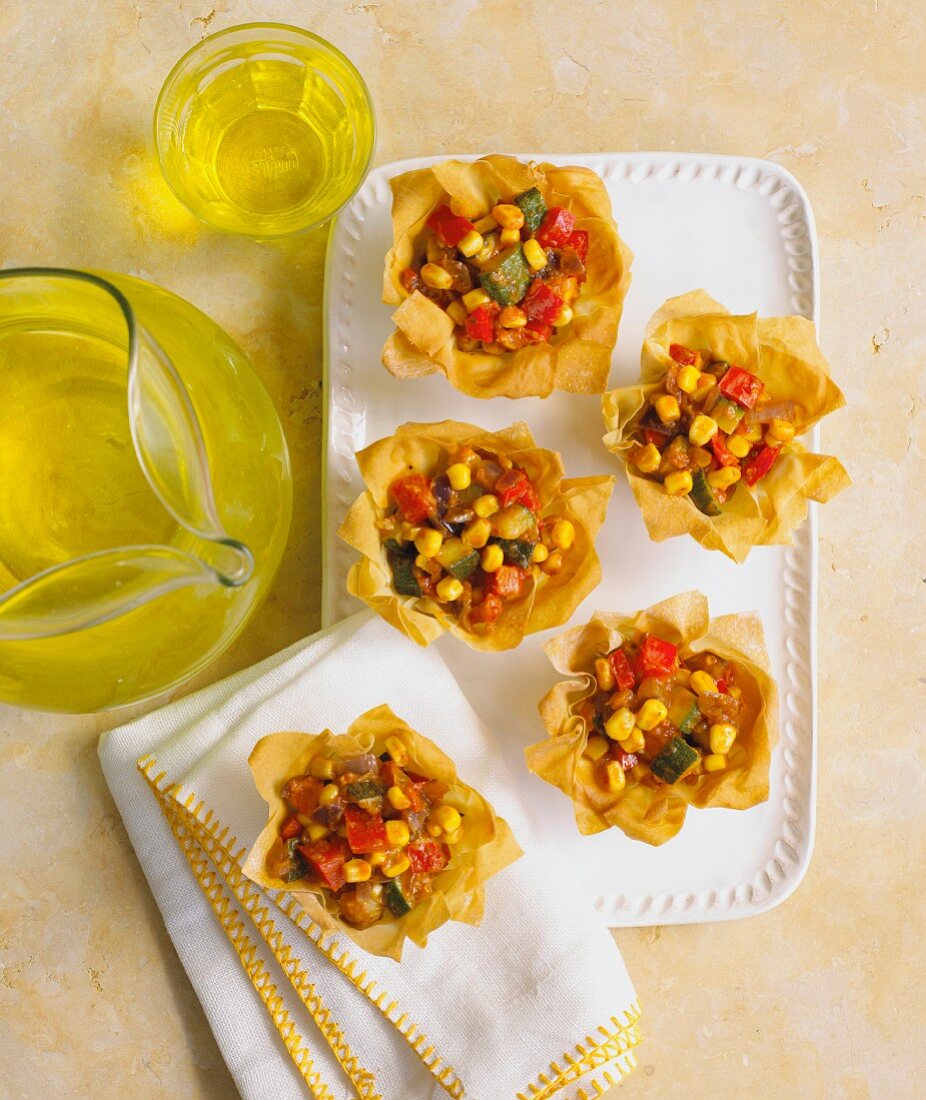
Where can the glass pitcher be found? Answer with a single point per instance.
(145, 489)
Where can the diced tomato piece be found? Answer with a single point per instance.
(658, 439)
(290, 828)
(620, 666)
(414, 498)
(537, 332)
(450, 227)
(627, 760)
(302, 792)
(507, 582)
(657, 658)
(723, 687)
(578, 241)
(721, 451)
(759, 466)
(515, 487)
(556, 227)
(365, 832)
(480, 324)
(327, 858)
(542, 303)
(427, 856)
(410, 280)
(487, 611)
(685, 357)
(741, 386)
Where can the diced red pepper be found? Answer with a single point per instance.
(410, 280)
(723, 687)
(759, 466)
(302, 793)
(327, 858)
(741, 386)
(480, 324)
(542, 303)
(556, 227)
(414, 498)
(623, 673)
(537, 332)
(507, 582)
(515, 487)
(627, 760)
(656, 438)
(722, 452)
(685, 357)
(427, 856)
(487, 611)
(450, 227)
(656, 658)
(290, 829)
(365, 832)
(578, 242)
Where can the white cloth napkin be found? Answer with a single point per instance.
(503, 1005)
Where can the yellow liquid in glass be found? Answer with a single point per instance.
(267, 145)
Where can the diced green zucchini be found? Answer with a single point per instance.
(531, 202)
(512, 522)
(401, 561)
(460, 560)
(297, 866)
(506, 276)
(396, 902)
(675, 759)
(363, 789)
(517, 551)
(683, 709)
(727, 414)
(702, 495)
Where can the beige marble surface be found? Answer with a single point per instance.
(820, 998)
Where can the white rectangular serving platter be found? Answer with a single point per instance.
(742, 229)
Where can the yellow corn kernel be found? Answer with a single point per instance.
(449, 589)
(477, 533)
(317, 831)
(535, 255)
(512, 317)
(485, 225)
(454, 837)
(705, 384)
(754, 432)
(683, 675)
(563, 318)
(738, 445)
(620, 725)
(702, 429)
(687, 379)
(703, 683)
(473, 299)
(508, 237)
(701, 457)
(321, 767)
(429, 542)
(408, 532)
(722, 735)
(433, 829)
(614, 776)
(736, 692)
(493, 558)
(779, 431)
(330, 793)
(553, 563)
(540, 554)
(636, 742)
(667, 408)
(471, 243)
(651, 714)
(357, 870)
(724, 477)
(508, 215)
(486, 505)
(447, 817)
(436, 277)
(396, 866)
(376, 859)
(456, 311)
(304, 820)
(459, 476)
(395, 746)
(397, 833)
(398, 799)
(604, 674)
(678, 484)
(714, 762)
(563, 534)
(596, 747)
(648, 459)
(422, 562)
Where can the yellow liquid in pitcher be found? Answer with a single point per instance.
(267, 146)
